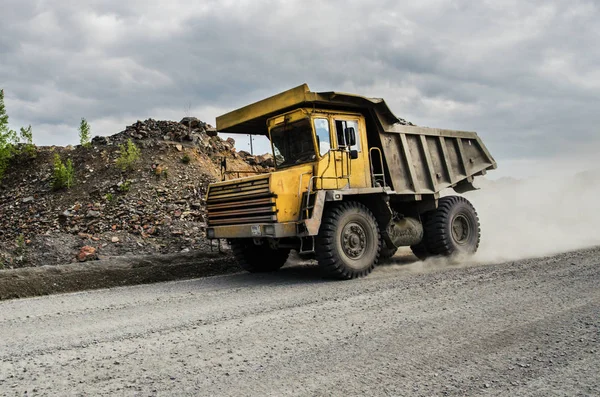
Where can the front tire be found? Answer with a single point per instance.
(348, 244)
(258, 258)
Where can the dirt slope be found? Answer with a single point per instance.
(526, 328)
(157, 206)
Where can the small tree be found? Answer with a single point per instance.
(63, 175)
(27, 135)
(8, 138)
(3, 115)
(130, 155)
(27, 138)
(85, 134)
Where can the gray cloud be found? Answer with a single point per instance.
(522, 74)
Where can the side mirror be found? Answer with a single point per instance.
(353, 154)
(350, 136)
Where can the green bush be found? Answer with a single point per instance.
(130, 155)
(27, 138)
(64, 174)
(20, 243)
(7, 150)
(84, 134)
(125, 186)
(186, 159)
(8, 138)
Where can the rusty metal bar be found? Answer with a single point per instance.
(409, 163)
(428, 162)
(447, 164)
(462, 155)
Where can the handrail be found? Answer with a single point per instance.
(322, 177)
(300, 182)
(373, 175)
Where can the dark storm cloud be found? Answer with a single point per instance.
(523, 74)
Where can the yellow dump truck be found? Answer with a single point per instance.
(352, 183)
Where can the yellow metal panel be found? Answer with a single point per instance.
(286, 185)
(289, 117)
(260, 109)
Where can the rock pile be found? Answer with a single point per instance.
(157, 207)
(188, 129)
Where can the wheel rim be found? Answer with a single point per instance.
(461, 229)
(354, 240)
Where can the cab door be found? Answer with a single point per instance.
(357, 168)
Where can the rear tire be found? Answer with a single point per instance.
(452, 229)
(348, 243)
(258, 258)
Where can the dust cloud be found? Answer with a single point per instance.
(537, 216)
(522, 218)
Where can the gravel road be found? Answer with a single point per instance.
(529, 327)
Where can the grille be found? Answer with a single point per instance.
(241, 202)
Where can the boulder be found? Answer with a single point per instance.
(87, 253)
(101, 140)
(266, 160)
(191, 122)
(93, 214)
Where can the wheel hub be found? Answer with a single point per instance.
(354, 240)
(461, 229)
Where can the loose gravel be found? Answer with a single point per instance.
(526, 328)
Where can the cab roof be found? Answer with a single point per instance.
(252, 119)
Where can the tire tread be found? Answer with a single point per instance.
(330, 263)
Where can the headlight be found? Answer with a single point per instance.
(210, 233)
(269, 229)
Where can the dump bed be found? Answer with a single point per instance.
(421, 160)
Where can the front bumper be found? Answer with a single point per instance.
(254, 230)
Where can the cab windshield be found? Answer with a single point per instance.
(293, 144)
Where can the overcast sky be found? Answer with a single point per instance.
(524, 74)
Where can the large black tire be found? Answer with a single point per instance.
(258, 258)
(348, 243)
(452, 229)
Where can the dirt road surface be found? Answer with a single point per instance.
(523, 328)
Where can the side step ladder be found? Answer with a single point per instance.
(308, 203)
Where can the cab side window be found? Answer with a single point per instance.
(340, 128)
(323, 140)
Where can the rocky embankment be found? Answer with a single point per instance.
(157, 206)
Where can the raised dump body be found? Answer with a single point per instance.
(422, 160)
(352, 182)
